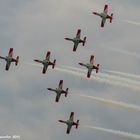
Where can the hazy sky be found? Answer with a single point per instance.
(33, 27)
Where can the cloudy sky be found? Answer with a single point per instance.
(33, 27)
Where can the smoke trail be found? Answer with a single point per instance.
(137, 55)
(102, 78)
(127, 75)
(110, 79)
(111, 102)
(132, 22)
(115, 132)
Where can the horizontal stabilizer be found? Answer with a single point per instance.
(17, 60)
(77, 124)
(111, 18)
(97, 68)
(84, 41)
(66, 92)
(54, 63)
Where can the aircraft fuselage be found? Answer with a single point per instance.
(89, 66)
(76, 40)
(8, 59)
(69, 122)
(103, 15)
(45, 62)
(58, 90)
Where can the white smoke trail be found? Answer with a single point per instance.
(109, 79)
(137, 55)
(132, 22)
(127, 75)
(116, 80)
(102, 78)
(111, 102)
(115, 132)
(113, 77)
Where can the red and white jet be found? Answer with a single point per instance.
(9, 59)
(46, 62)
(104, 15)
(59, 91)
(90, 66)
(70, 123)
(77, 40)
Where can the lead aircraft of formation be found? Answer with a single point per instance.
(104, 15)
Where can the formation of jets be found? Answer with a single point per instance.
(46, 62)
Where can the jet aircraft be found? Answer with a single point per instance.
(70, 123)
(104, 15)
(59, 91)
(90, 66)
(46, 62)
(76, 40)
(9, 59)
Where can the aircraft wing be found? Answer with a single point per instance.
(60, 84)
(89, 73)
(57, 98)
(91, 59)
(68, 129)
(48, 55)
(10, 54)
(45, 69)
(78, 35)
(7, 66)
(103, 22)
(106, 9)
(75, 46)
(2, 58)
(72, 116)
